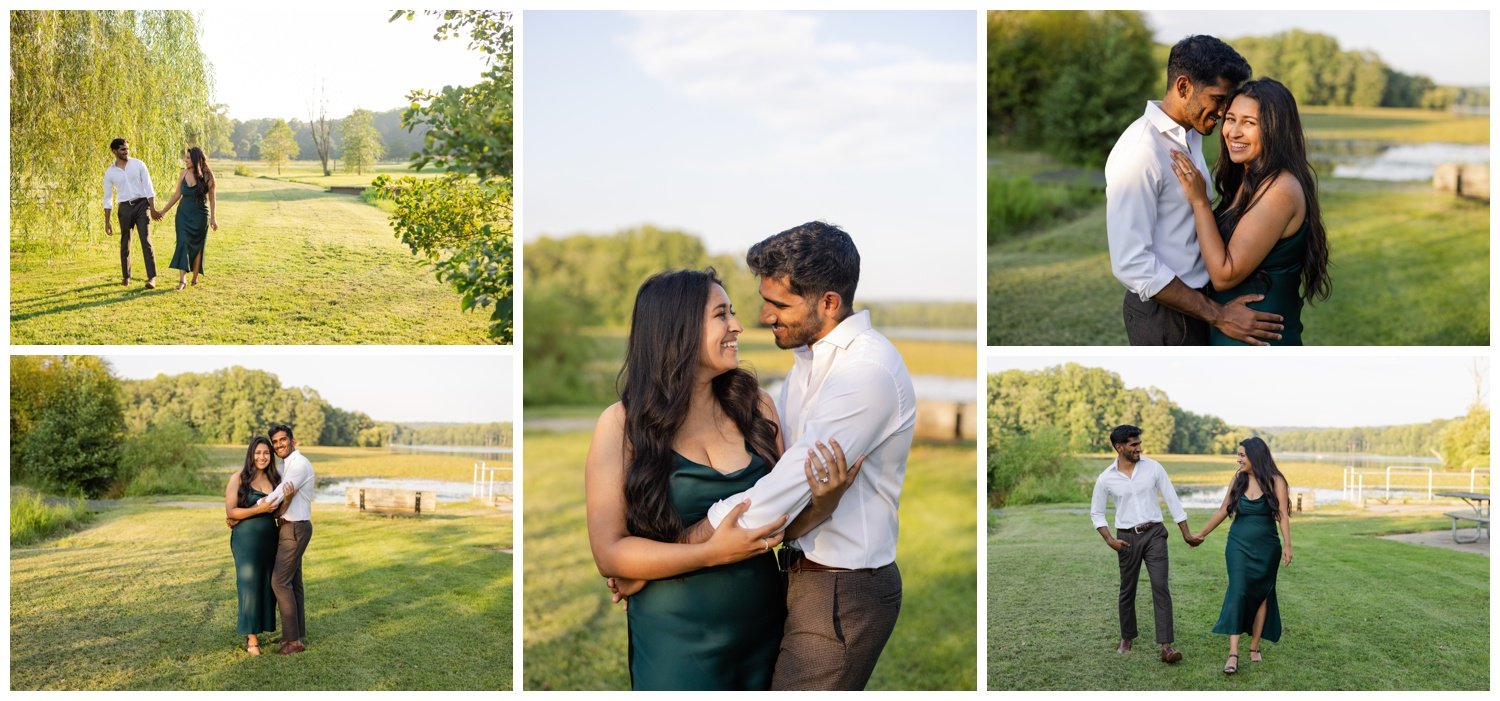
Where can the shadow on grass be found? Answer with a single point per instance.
(391, 604)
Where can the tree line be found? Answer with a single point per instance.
(1039, 421)
(246, 139)
(76, 428)
(1093, 70)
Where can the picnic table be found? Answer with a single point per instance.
(1479, 505)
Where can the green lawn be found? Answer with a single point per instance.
(311, 172)
(144, 598)
(337, 461)
(1358, 612)
(575, 639)
(1410, 267)
(1394, 124)
(290, 264)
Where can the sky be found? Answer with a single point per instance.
(1451, 47)
(270, 62)
(1296, 391)
(443, 387)
(735, 126)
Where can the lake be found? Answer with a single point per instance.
(331, 491)
(1389, 161)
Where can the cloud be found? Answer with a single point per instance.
(873, 104)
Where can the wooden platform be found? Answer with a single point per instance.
(391, 501)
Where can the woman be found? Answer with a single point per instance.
(252, 539)
(692, 428)
(195, 187)
(1256, 500)
(1266, 237)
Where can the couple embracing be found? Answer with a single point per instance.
(697, 474)
(1257, 500)
(1197, 273)
(130, 197)
(269, 513)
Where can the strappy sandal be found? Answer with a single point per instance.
(254, 650)
(1255, 654)
(1232, 668)
(181, 286)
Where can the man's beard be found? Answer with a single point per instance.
(795, 337)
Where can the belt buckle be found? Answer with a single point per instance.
(789, 558)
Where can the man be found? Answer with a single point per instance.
(1153, 244)
(1134, 483)
(295, 532)
(848, 385)
(128, 182)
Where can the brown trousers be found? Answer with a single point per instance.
(138, 216)
(836, 625)
(1151, 548)
(286, 577)
(1150, 324)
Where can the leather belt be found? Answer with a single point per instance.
(137, 201)
(1141, 528)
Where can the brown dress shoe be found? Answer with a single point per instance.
(1123, 647)
(1170, 654)
(291, 648)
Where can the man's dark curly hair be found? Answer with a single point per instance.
(1204, 60)
(815, 257)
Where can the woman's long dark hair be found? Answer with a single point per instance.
(656, 388)
(1263, 469)
(198, 163)
(247, 473)
(1283, 149)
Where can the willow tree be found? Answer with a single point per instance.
(80, 79)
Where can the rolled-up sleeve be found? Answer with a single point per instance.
(858, 406)
(1096, 506)
(108, 202)
(1132, 177)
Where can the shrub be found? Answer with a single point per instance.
(74, 424)
(164, 459)
(463, 229)
(1030, 468)
(32, 518)
(1019, 205)
(243, 170)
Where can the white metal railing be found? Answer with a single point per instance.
(1407, 468)
(485, 478)
(1476, 471)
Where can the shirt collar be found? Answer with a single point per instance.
(841, 336)
(851, 327)
(1160, 120)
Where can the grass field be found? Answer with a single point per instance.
(311, 172)
(144, 598)
(1357, 612)
(290, 264)
(338, 461)
(575, 639)
(1410, 267)
(1394, 124)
